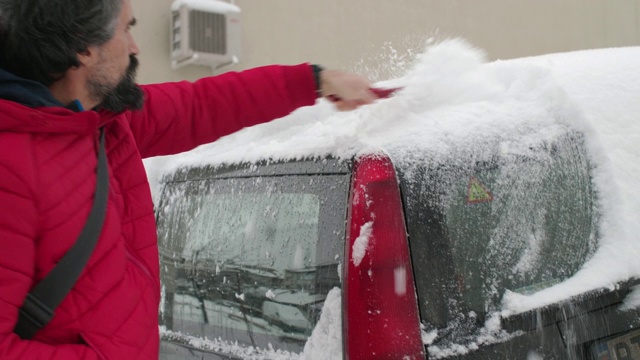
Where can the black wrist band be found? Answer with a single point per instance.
(317, 69)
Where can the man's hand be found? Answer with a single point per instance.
(347, 91)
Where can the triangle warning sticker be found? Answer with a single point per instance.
(477, 193)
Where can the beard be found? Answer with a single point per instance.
(125, 95)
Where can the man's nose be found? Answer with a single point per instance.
(133, 47)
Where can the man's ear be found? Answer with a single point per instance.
(89, 57)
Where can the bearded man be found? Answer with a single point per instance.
(67, 90)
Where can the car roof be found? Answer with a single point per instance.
(456, 106)
(451, 98)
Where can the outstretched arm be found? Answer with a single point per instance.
(180, 116)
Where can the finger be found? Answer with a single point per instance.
(333, 98)
(368, 97)
(346, 105)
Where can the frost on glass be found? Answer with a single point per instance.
(536, 230)
(255, 231)
(517, 217)
(245, 259)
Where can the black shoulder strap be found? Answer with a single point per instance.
(40, 303)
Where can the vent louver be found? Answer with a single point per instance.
(204, 33)
(208, 32)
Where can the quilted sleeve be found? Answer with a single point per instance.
(18, 233)
(180, 116)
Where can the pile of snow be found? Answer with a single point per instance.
(605, 86)
(454, 103)
(361, 244)
(491, 333)
(225, 347)
(325, 341)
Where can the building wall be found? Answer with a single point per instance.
(379, 37)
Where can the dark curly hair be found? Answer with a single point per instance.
(40, 39)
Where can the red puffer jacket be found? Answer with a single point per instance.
(47, 182)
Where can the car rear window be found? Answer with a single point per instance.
(519, 222)
(251, 259)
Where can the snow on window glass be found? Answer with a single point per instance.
(250, 259)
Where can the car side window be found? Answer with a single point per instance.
(518, 223)
(251, 259)
(522, 224)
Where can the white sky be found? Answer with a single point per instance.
(450, 96)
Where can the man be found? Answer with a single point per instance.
(66, 72)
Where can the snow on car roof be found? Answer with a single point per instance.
(455, 102)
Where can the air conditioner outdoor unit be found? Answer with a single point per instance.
(204, 32)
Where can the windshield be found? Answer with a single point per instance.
(251, 259)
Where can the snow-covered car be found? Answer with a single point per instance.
(486, 211)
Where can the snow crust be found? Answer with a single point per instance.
(604, 85)
(361, 244)
(491, 333)
(325, 341)
(455, 103)
(428, 337)
(632, 300)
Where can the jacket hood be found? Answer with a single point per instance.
(28, 106)
(26, 92)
